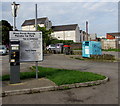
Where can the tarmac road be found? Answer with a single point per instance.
(101, 94)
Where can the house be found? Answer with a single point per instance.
(66, 32)
(113, 35)
(111, 41)
(84, 36)
(29, 25)
(93, 37)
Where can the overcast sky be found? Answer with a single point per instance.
(102, 16)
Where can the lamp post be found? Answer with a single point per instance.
(14, 13)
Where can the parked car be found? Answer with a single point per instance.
(3, 49)
(51, 47)
(55, 48)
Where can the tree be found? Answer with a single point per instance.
(5, 27)
(47, 38)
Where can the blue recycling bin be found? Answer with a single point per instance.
(91, 48)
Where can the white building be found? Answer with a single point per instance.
(67, 32)
(93, 36)
(29, 25)
(84, 36)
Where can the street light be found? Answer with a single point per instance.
(14, 13)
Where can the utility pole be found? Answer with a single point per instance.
(36, 17)
(36, 30)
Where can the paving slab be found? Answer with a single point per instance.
(27, 84)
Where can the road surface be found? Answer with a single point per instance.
(101, 94)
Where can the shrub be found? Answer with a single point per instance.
(75, 52)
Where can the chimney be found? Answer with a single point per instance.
(87, 29)
(86, 26)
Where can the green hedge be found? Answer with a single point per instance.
(62, 41)
(116, 50)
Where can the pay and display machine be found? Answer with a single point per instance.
(14, 61)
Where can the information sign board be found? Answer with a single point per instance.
(31, 48)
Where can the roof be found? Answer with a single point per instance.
(32, 21)
(114, 34)
(64, 27)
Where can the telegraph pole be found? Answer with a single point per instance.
(36, 30)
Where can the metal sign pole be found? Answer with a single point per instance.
(36, 30)
(36, 69)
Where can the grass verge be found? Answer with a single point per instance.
(60, 76)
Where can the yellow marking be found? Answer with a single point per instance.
(17, 84)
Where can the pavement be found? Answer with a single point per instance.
(27, 84)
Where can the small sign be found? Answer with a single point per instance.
(87, 51)
(30, 45)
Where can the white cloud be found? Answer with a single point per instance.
(97, 5)
(99, 15)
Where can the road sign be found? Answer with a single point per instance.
(31, 48)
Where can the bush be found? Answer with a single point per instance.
(75, 52)
(68, 42)
(116, 50)
(103, 57)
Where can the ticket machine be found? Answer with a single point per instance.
(14, 61)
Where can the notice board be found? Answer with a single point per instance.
(31, 47)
